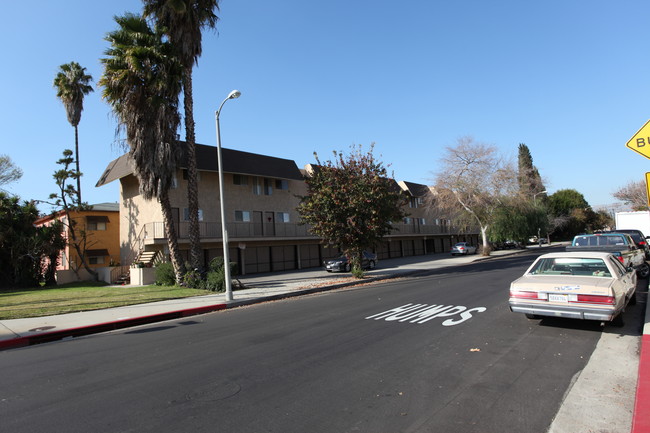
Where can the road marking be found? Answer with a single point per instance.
(421, 313)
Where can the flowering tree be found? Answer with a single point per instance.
(351, 202)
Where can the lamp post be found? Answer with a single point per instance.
(536, 194)
(539, 239)
(224, 231)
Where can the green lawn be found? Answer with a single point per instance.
(69, 298)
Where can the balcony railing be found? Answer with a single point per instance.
(247, 230)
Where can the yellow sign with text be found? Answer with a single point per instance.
(640, 142)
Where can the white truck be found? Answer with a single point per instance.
(639, 220)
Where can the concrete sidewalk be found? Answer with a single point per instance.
(261, 288)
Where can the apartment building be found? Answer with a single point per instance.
(261, 198)
(102, 246)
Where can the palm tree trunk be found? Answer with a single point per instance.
(172, 238)
(76, 154)
(196, 253)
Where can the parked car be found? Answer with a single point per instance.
(586, 285)
(640, 240)
(619, 244)
(342, 264)
(463, 248)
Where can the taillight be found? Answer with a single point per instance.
(595, 299)
(523, 295)
(642, 243)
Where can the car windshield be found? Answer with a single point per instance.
(594, 267)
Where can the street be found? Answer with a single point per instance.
(435, 353)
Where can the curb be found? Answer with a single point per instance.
(641, 416)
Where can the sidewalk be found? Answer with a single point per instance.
(262, 287)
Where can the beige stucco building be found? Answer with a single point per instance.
(261, 198)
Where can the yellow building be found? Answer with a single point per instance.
(102, 243)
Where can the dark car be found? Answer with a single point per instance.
(342, 264)
(639, 239)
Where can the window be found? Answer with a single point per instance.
(95, 260)
(257, 187)
(422, 221)
(281, 184)
(174, 183)
(242, 216)
(407, 220)
(268, 187)
(96, 222)
(186, 214)
(415, 202)
(99, 225)
(239, 179)
(282, 217)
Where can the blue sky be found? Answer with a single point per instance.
(570, 78)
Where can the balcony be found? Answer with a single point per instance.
(247, 230)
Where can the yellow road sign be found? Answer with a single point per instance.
(640, 142)
(647, 187)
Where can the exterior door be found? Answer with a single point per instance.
(269, 224)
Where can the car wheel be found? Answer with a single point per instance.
(347, 267)
(643, 270)
(371, 264)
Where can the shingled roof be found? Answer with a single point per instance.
(415, 189)
(234, 161)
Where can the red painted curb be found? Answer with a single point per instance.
(641, 417)
(105, 327)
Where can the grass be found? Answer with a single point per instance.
(85, 296)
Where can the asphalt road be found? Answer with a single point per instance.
(434, 353)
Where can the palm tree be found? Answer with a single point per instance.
(72, 84)
(183, 21)
(142, 82)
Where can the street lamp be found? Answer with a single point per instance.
(224, 232)
(536, 194)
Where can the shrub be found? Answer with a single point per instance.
(165, 275)
(215, 279)
(193, 279)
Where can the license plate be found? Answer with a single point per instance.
(558, 298)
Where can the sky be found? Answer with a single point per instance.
(569, 78)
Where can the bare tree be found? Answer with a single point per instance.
(633, 194)
(474, 180)
(9, 172)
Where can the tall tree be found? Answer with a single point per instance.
(9, 172)
(142, 82)
(351, 202)
(72, 84)
(183, 21)
(66, 198)
(475, 180)
(570, 214)
(633, 194)
(530, 182)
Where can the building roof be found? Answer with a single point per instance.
(414, 189)
(234, 161)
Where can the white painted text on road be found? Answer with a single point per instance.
(421, 313)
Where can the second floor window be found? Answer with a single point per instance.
(186, 214)
(239, 179)
(242, 216)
